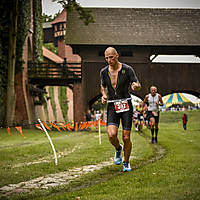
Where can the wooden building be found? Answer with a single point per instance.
(137, 34)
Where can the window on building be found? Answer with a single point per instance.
(126, 53)
(101, 53)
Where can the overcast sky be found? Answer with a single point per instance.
(51, 8)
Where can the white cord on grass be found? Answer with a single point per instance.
(54, 151)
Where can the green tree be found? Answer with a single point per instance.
(49, 18)
(14, 25)
(51, 47)
(98, 105)
(10, 103)
(84, 13)
(37, 31)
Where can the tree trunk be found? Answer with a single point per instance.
(10, 103)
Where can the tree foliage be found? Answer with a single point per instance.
(37, 31)
(98, 105)
(12, 45)
(14, 25)
(49, 18)
(84, 13)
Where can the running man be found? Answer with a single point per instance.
(135, 118)
(116, 79)
(140, 118)
(154, 100)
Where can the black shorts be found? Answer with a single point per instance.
(140, 117)
(150, 115)
(113, 118)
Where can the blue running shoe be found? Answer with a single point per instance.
(118, 158)
(126, 167)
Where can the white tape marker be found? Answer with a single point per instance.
(99, 132)
(54, 151)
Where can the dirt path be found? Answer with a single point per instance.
(52, 180)
(66, 177)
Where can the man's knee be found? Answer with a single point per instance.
(126, 136)
(152, 121)
(112, 132)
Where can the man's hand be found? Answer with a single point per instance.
(135, 86)
(104, 99)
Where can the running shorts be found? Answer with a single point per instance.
(126, 117)
(150, 115)
(140, 117)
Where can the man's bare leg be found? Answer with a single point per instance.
(152, 124)
(127, 144)
(112, 135)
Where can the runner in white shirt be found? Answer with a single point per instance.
(153, 100)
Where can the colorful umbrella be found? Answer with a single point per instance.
(175, 98)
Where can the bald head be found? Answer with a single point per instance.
(111, 50)
(111, 57)
(153, 90)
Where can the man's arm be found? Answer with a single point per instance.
(136, 86)
(104, 97)
(160, 99)
(145, 100)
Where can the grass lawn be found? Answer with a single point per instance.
(167, 170)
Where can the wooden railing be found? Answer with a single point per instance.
(54, 74)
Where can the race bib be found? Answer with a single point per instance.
(121, 106)
(155, 114)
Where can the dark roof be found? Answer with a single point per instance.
(136, 26)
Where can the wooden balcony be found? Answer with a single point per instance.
(53, 74)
